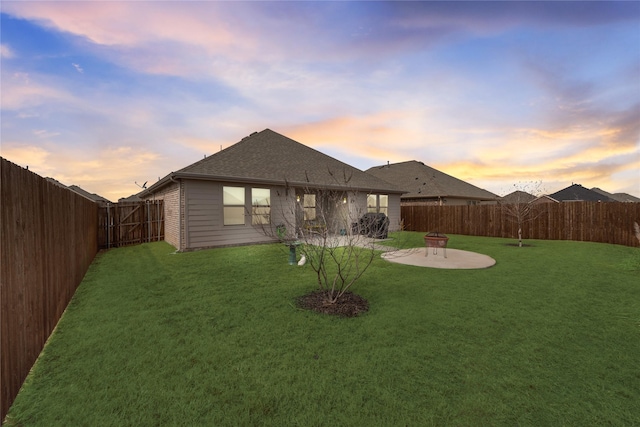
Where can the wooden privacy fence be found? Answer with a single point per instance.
(609, 222)
(48, 240)
(123, 224)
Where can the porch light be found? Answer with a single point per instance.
(298, 198)
(344, 200)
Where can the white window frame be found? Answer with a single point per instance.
(230, 208)
(378, 203)
(260, 207)
(309, 204)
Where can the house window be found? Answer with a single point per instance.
(260, 206)
(309, 205)
(233, 205)
(383, 206)
(372, 203)
(378, 203)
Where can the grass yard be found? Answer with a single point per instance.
(549, 336)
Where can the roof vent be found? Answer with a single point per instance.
(253, 133)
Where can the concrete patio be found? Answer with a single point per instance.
(456, 259)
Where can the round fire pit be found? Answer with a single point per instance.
(436, 241)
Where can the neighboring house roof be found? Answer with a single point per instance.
(56, 182)
(619, 197)
(271, 158)
(577, 192)
(544, 199)
(518, 197)
(92, 196)
(131, 199)
(422, 181)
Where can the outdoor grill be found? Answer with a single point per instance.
(375, 225)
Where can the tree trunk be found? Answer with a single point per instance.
(519, 237)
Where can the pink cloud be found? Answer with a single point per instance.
(133, 24)
(6, 52)
(21, 90)
(369, 136)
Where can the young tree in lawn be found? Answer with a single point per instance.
(319, 223)
(520, 208)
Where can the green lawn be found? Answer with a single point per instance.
(549, 336)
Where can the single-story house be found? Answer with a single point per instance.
(578, 193)
(517, 197)
(545, 198)
(134, 198)
(619, 197)
(424, 185)
(263, 181)
(522, 197)
(101, 201)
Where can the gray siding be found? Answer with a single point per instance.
(283, 207)
(202, 214)
(359, 208)
(204, 226)
(394, 212)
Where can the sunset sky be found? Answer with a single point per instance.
(107, 94)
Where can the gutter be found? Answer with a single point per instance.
(174, 176)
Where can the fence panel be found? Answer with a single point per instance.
(124, 224)
(610, 222)
(48, 240)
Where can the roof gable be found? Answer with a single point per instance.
(577, 192)
(518, 196)
(268, 156)
(422, 181)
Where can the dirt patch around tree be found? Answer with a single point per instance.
(349, 304)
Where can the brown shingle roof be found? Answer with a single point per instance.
(518, 196)
(91, 196)
(422, 181)
(270, 157)
(619, 197)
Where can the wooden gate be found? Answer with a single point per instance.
(123, 224)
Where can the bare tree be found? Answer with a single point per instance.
(520, 207)
(325, 226)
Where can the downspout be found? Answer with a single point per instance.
(158, 222)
